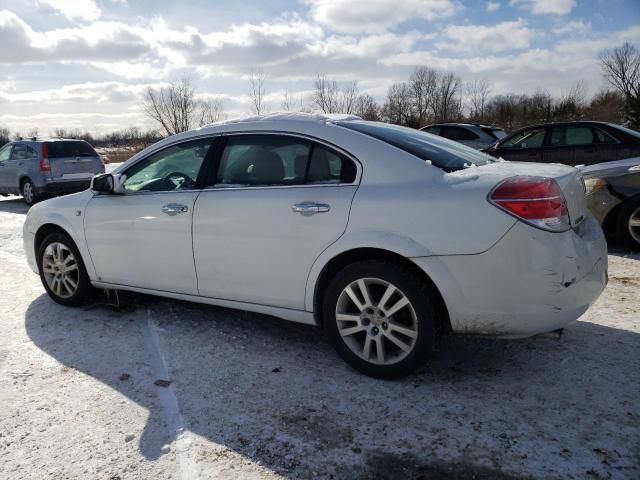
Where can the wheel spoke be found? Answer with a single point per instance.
(634, 222)
(72, 268)
(71, 282)
(345, 317)
(69, 259)
(399, 343)
(387, 295)
(403, 302)
(379, 349)
(403, 330)
(354, 298)
(365, 293)
(345, 332)
(366, 351)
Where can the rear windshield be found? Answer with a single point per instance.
(496, 133)
(70, 149)
(445, 154)
(626, 130)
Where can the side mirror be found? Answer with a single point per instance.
(102, 183)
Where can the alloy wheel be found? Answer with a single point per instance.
(634, 225)
(60, 269)
(27, 192)
(376, 321)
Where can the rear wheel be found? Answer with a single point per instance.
(28, 191)
(62, 271)
(380, 318)
(628, 224)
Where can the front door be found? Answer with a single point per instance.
(275, 204)
(142, 238)
(524, 146)
(5, 155)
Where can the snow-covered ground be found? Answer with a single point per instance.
(254, 397)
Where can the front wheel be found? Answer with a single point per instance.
(380, 318)
(62, 271)
(29, 194)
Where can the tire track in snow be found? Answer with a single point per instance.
(183, 444)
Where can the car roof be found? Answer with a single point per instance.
(460, 124)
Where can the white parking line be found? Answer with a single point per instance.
(183, 444)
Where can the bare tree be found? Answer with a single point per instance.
(621, 67)
(446, 106)
(291, 103)
(5, 135)
(331, 97)
(210, 111)
(478, 94)
(367, 108)
(33, 132)
(172, 107)
(257, 78)
(398, 105)
(423, 83)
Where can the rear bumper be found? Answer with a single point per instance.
(64, 187)
(530, 282)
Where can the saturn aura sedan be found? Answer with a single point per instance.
(386, 236)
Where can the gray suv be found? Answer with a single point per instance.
(474, 135)
(40, 168)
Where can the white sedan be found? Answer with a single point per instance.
(386, 236)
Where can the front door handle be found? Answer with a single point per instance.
(310, 208)
(174, 208)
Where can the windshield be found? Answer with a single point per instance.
(445, 154)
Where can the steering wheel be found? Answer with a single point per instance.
(177, 181)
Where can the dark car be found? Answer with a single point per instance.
(613, 196)
(474, 135)
(571, 143)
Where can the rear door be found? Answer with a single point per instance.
(275, 204)
(524, 146)
(72, 160)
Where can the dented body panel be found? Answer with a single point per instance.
(552, 279)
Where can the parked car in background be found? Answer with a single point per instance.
(570, 143)
(474, 135)
(40, 168)
(382, 234)
(613, 196)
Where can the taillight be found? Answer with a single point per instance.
(44, 159)
(537, 201)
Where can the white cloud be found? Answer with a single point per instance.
(376, 15)
(572, 28)
(543, 7)
(497, 38)
(492, 6)
(74, 9)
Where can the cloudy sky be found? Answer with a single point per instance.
(85, 63)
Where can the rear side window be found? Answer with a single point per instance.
(602, 137)
(66, 148)
(533, 138)
(23, 152)
(276, 160)
(457, 133)
(445, 154)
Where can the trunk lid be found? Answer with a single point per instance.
(73, 160)
(569, 179)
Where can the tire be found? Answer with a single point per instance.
(53, 261)
(350, 326)
(629, 213)
(28, 192)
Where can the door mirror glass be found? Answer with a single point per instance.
(102, 183)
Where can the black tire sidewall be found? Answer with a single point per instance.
(85, 289)
(622, 226)
(417, 292)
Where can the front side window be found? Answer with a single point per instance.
(174, 168)
(432, 130)
(533, 138)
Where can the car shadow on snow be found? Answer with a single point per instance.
(13, 205)
(275, 392)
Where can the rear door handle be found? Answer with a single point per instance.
(310, 208)
(174, 208)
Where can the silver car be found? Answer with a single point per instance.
(386, 236)
(37, 169)
(474, 135)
